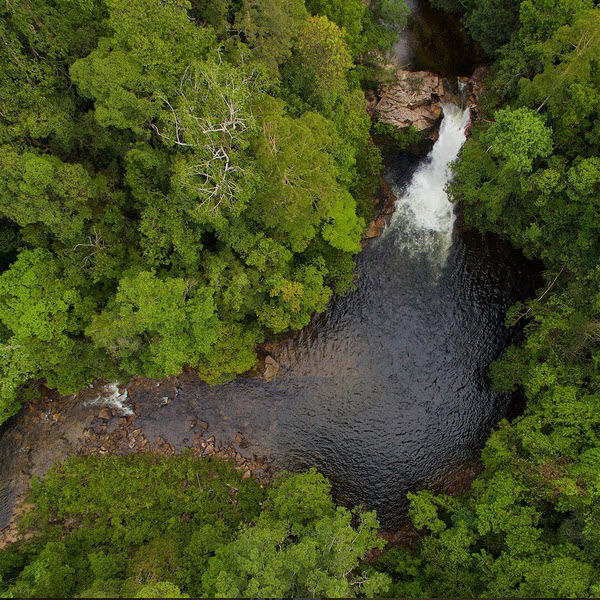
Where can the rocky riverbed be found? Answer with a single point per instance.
(106, 419)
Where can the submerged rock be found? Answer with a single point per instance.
(271, 368)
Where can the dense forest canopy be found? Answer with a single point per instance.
(178, 527)
(531, 171)
(178, 180)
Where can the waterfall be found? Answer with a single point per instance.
(463, 92)
(424, 216)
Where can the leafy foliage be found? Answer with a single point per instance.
(155, 527)
(179, 180)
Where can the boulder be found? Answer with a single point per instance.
(271, 368)
(413, 101)
(105, 414)
(376, 227)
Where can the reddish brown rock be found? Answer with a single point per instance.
(271, 368)
(414, 101)
(476, 87)
(376, 228)
(105, 414)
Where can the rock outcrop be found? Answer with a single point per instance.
(413, 101)
(476, 87)
(385, 208)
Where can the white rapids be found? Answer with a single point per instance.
(424, 217)
(111, 396)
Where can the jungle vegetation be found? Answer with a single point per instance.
(150, 526)
(178, 180)
(130, 173)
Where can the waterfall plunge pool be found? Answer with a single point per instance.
(384, 393)
(387, 391)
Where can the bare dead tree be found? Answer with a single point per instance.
(212, 134)
(96, 243)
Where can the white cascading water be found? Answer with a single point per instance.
(111, 396)
(424, 216)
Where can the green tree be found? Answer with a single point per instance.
(288, 553)
(320, 63)
(148, 526)
(300, 190)
(43, 190)
(270, 28)
(492, 22)
(541, 18)
(156, 326)
(45, 315)
(349, 16)
(48, 576)
(517, 138)
(145, 57)
(161, 589)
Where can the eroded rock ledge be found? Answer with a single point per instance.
(415, 99)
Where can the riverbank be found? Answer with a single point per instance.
(102, 420)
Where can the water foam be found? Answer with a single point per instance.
(424, 217)
(111, 396)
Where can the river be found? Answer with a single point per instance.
(385, 392)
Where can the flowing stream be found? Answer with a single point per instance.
(385, 392)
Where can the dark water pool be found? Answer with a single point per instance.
(387, 391)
